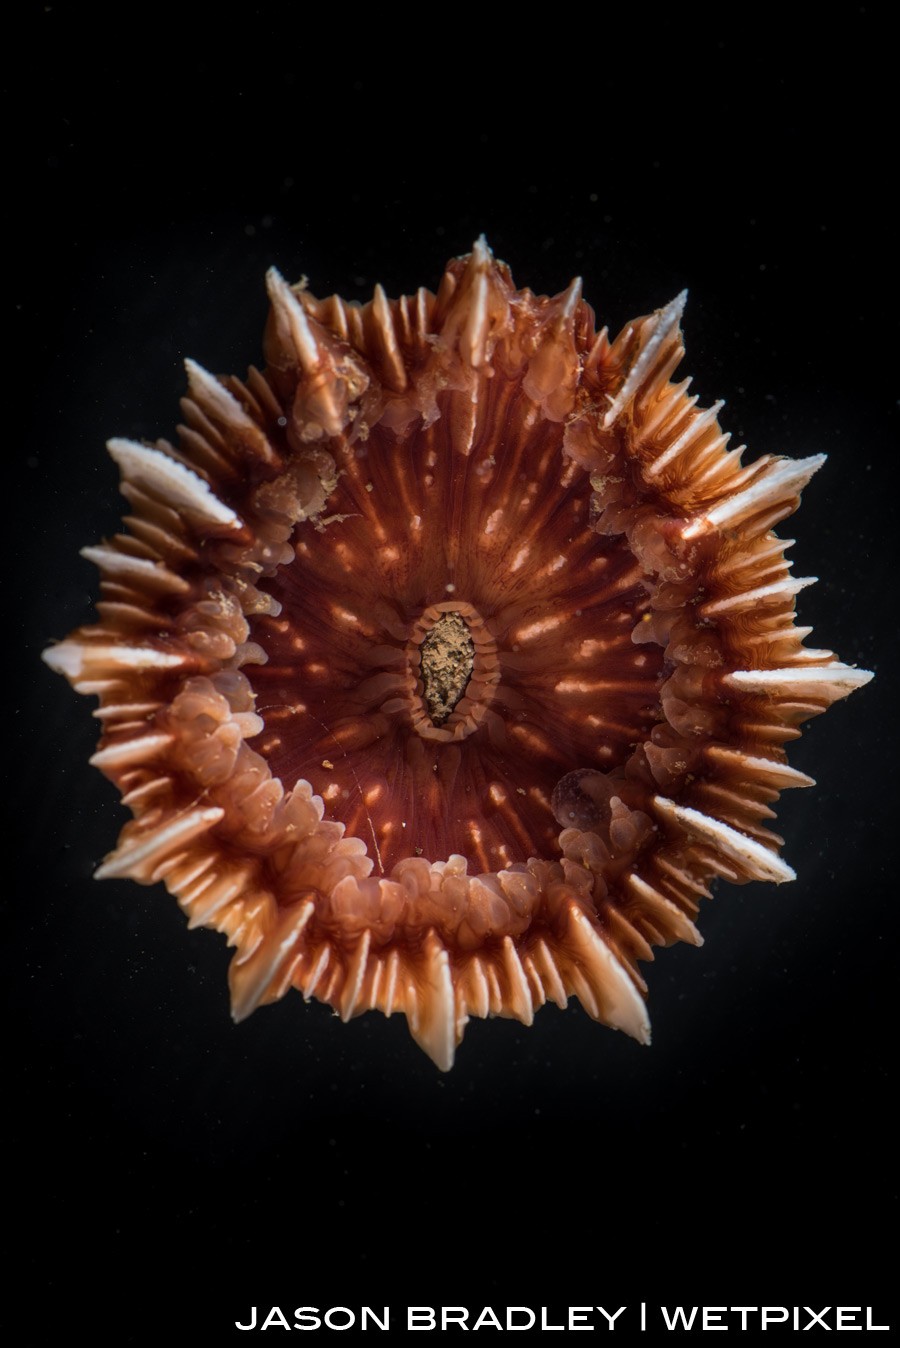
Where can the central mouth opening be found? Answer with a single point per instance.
(447, 661)
(435, 675)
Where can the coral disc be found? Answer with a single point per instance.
(447, 661)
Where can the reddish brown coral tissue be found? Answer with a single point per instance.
(446, 662)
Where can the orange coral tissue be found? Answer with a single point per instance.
(446, 662)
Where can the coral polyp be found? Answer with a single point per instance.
(447, 661)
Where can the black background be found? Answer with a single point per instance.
(176, 1170)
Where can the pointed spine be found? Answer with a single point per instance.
(518, 993)
(667, 915)
(755, 860)
(223, 408)
(393, 368)
(141, 852)
(779, 592)
(688, 439)
(432, 1021)
(292, 321)
(137, 750)
(171, 482)
(826, 682)
(252, 978)
(772, 494)
(355, 976)
(609, 994)
(135, 571)
(780, 776)
(653, 335)
(75, 658)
